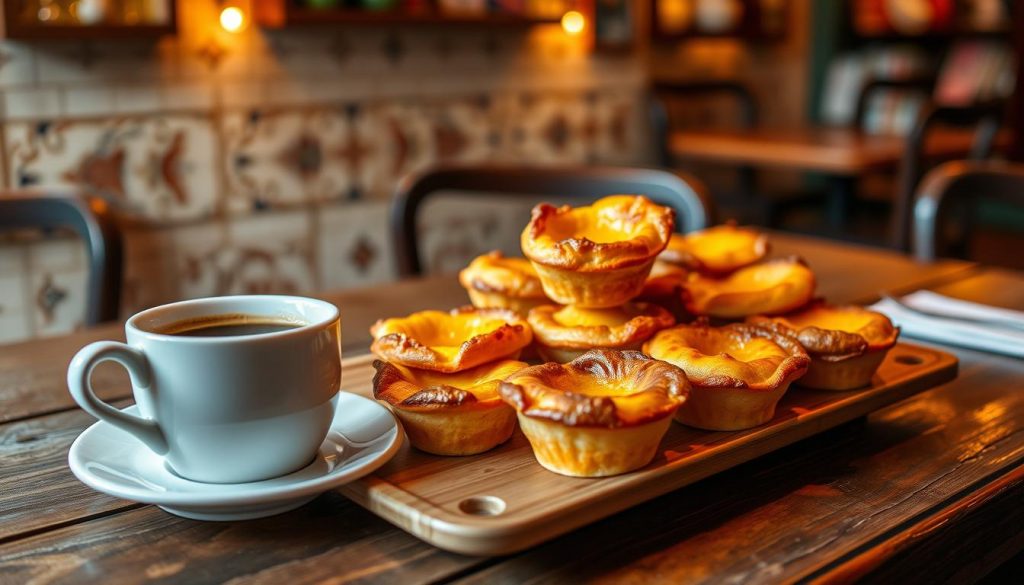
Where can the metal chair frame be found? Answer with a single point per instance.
(680, 192)
(93, 222)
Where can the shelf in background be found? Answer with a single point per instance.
(279, 14)
(14, 27)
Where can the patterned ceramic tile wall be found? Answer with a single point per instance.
(265, 162)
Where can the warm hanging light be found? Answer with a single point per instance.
(233, 19)
(573, 22)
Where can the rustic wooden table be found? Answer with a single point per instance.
(931, 484)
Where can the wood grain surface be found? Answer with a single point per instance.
(931, 482)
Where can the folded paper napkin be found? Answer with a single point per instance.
(1000, 337)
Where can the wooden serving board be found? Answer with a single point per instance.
(503, 501)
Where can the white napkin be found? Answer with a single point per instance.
(992, 339)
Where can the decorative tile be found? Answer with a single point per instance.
(88, 101)
(17, 64)
(196, 249)
(354, 246)
(465, 130)
(31, 103)
(455, 229)
(268, 254)
(58, 284)
(547, 129)
(158, 168)
(15, 308)
(287, 157)
(137, 99)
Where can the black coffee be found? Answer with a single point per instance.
(228, 326)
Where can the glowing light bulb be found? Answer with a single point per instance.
(232, 19)
(573, 22)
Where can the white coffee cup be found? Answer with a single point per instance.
(225, 409)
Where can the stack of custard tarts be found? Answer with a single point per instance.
(592, 294)
(439, 371)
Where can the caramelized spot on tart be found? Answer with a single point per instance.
(452, 341)
(836, 331)
(423, 389)
(601, 388)
(732, 356)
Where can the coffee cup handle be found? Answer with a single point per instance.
(80, 371)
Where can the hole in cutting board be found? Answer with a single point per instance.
(909, 360)
(482, 506)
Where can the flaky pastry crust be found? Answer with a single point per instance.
(602, 414)
(449, 414)
(451, 342)
(596, 256)
(615, 232)
(564, 333)
(847, 344)
(601, 388)
(717, 250)
(770, 288)
(738, 372)
(737, 355)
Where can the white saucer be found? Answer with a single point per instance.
(364, 435)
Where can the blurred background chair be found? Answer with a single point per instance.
(670, 100)
(982, 120)
(682, 193)
(952, 204)
(91, 220)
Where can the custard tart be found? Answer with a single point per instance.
(737, 372)
(451, 341)
(596, 256)
(602, 414)
(769, 288)
(562, 334)
(496, 281)
(717, 250)
(846, 343)
(449, 414)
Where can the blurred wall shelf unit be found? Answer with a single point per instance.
(923, 20)
(951, 52)
(87, 19)
(754, 20)
(287, 13)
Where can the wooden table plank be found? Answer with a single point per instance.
(37, 488)
(330, 538)
(840, 151)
